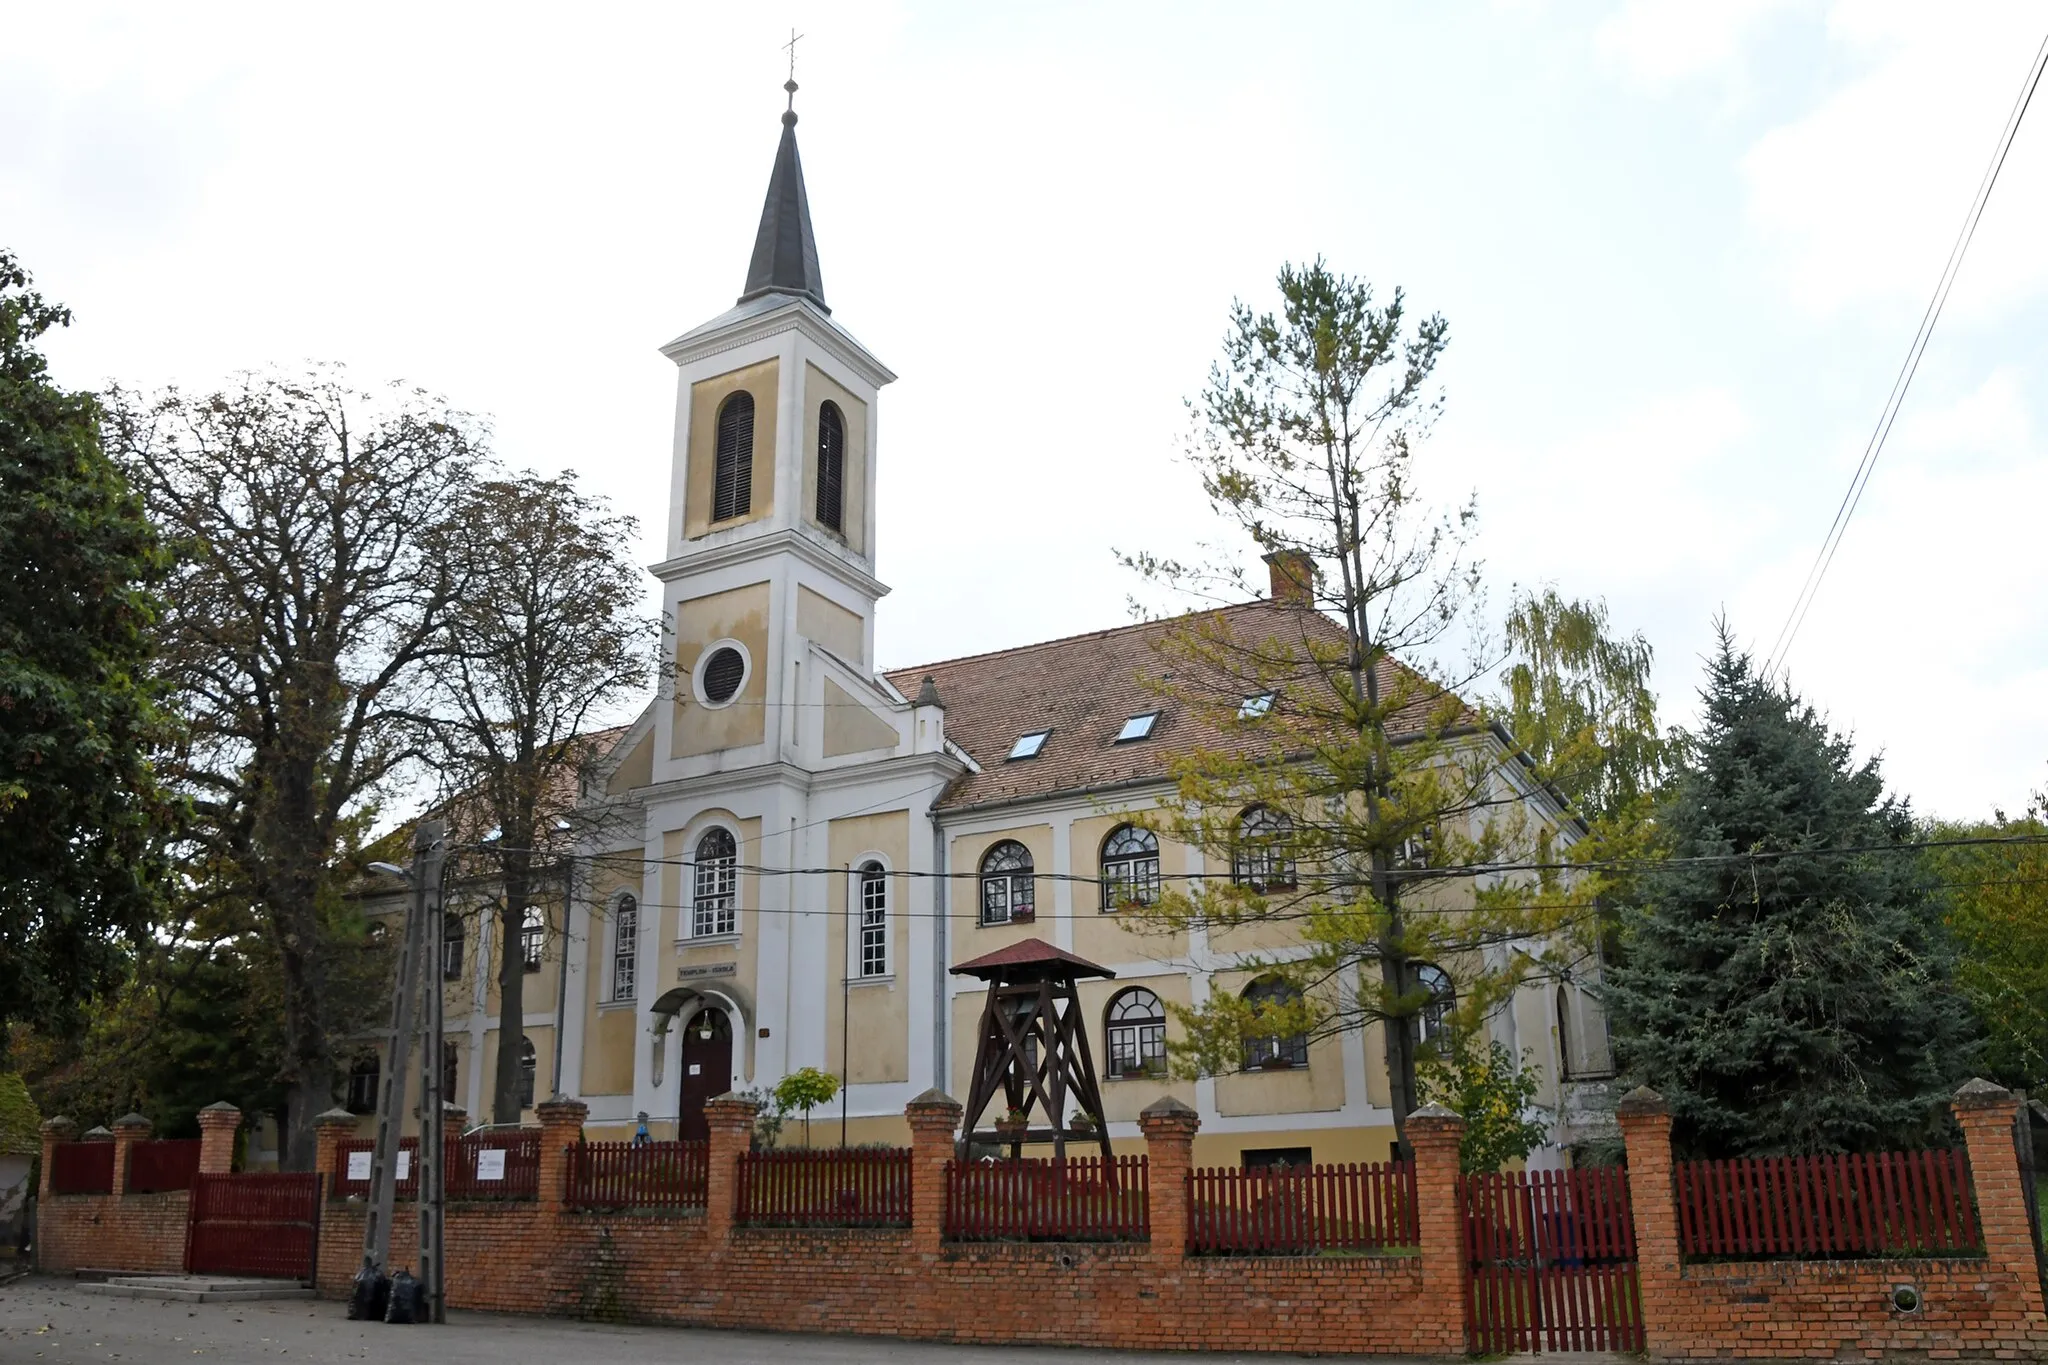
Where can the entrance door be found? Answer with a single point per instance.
(257, 1223)
(707, 1070)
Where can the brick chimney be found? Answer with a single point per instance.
(1293, 577)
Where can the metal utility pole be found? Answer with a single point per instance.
(433, 1174)
(391, 1090)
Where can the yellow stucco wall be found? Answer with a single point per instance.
(608, 1029)
(1315, 1088)
(831, 625)
(853, 507)
(636, 769)
(740, 614)
(1117, 936)
(674, 949)
(1122, 1099)
(705, 397)
(878, 1013)
(850, 728)
(970, 938)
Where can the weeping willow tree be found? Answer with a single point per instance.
(1395, 831)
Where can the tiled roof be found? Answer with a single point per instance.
(1083, 688)
(1028, 952)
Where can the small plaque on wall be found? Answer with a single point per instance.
(490, 1164)
(359, 1165)
(702, 971)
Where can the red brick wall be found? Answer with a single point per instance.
(140, 1232)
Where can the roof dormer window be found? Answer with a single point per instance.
(1138, 727)
(1027, 746)
(1255, 706)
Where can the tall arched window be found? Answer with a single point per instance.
(451, 1071)
(1130, 868)
(363, 1078)
(451, 948)
(1265, 856)
(1273, 1049)
(625, 948)
(1135, 1032)
(831, 465)
(732, 473)
(1008, 891)
(714, 909)
(1433, 1020)
(529, 1065)
(532, 935)
(874, 920)
(1565, 1033)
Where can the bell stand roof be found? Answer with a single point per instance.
(1031, 959)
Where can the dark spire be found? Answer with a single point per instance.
(785, 253)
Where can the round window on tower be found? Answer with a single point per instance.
(721, 673)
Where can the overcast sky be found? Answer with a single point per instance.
(1681, 247)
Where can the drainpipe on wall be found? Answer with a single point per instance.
(941, 907)
(562, 968)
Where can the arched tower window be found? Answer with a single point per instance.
(732, 476)
(715, 906)
(529, 1065)
(1130, 868)
(831, 465)
(1135, 1033)
(1273, 1049)
(1008, 890)
(874, 920)
(625, 948)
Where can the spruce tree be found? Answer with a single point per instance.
(1787, 982)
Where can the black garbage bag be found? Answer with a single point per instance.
(372, 1293)
(408, 1299)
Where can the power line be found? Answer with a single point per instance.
(1858, 481)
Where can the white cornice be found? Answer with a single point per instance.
(794, 315)
(830, 559)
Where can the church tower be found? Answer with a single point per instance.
(771, 519)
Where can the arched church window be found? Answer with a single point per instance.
(625, 947)
(1008, 889)
(715, 906)
(732, 475)
(1433, 1020)
(451, 1071)
(1136, 1034)
(529, 1065)
(532, 932)
(874, 920)
(831, 465)
(451, 948)
(363, 1077)
(1273, 1049)
(1264, 859)
(1130, 868)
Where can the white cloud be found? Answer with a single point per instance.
(1658, 44)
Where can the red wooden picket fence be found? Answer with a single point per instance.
(158, 1167)
(849, 1187)
(1553, 1262)
(82, 1168)
(653, 1175)
(1302, 1210)
(254, 1223)
(1081, 1199)
(470, 1173)
(1873, 1204)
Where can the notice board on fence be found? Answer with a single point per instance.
(490, 1164)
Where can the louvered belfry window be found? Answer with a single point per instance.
(732, 479)
(831, 466)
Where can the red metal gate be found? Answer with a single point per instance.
(1553, 1262)
(254, 1224)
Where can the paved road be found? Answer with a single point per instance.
(49, 1320)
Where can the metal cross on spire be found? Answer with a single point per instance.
(790, 86)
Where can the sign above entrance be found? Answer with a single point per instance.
(707, 970)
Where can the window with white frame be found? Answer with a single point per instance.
(715, 905)
(874, 920)
(1130, 868)
(1135, 1029)
(1264, 858)
(1008, 888)
(1266, 1051)
(532, 934)
(625, 948)
(1433, 1020)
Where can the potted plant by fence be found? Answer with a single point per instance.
(1081, 1122)
(1013, 1123)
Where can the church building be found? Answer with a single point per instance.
(797, 846)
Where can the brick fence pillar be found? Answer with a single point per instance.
(1434, 1133)
(217, 1124)
(561, 1127)
(934, 1118)
(731, 1120)
(1988, 1116)
(330, 1130)
(56, 1130)
(1646, 1133)
(129, 1129)
(1169, 1128)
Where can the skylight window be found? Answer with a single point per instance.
(1255, 706)
(1027, 746)
(1138, 727)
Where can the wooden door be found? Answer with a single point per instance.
(707, 1070)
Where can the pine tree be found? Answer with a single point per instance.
(1785, 989)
